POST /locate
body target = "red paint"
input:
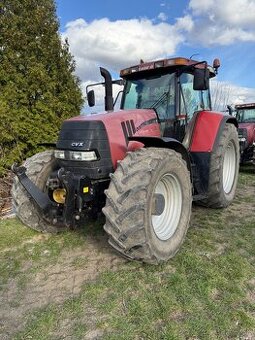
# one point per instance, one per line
(133, 145)
(205, 131)
(112, 122)
(250, 127)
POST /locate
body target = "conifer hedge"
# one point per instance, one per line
(38, 88)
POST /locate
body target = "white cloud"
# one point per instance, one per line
(162, 16)
(184, 23)
(121, 43)
(230, 12)
(218, 22)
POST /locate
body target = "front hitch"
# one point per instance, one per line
(78, 191)
(48, 208)
(40, 198)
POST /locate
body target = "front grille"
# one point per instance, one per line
(84, 136)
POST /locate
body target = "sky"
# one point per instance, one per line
(116, 34)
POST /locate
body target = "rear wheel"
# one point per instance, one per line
(39, 167)
(224, 170)
(148, 205)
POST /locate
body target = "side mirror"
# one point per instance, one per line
(216, 65)
(201, 79)
(91, 98)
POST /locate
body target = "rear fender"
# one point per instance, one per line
(207, 130)
(163, 142)
(205, 137)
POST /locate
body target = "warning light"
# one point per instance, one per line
(85, 190)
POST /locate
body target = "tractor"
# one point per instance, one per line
(142, 165)
(245, 115)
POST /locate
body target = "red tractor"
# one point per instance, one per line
(245, 115)
(142, 165)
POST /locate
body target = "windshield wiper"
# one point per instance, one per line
(160, 100)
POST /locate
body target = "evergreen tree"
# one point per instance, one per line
(38, 88)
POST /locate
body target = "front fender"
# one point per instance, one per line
(163, 142)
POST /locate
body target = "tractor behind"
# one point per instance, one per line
(245, 114)
(142, 165)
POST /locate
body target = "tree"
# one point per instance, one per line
(221, 93)
(38, 88)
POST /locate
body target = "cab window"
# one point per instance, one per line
(191, 100)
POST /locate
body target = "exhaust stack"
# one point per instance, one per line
(108, 99)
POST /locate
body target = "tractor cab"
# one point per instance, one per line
(174, 88)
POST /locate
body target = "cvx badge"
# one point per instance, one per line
(77, 144)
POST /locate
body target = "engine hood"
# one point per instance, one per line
(122, 124)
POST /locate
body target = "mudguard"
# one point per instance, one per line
(207, 128)
(163, 142)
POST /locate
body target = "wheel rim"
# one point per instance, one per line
(165, 224)
(229, 167)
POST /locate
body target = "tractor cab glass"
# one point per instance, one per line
(246, 115)
(172, 96)
(190, 99)
(153, 92)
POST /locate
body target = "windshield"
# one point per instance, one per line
(246, 115)
(152, 92)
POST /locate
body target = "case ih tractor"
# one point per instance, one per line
(245, 114)
(142, 165)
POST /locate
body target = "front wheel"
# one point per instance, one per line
(39, 167)
(148, 205)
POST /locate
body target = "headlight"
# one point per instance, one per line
(59, 154)
(83, 155)
(76, 155)
(242, 139)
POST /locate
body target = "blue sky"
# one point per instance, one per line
(116, 34)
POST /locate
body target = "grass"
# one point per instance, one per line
(206, 292)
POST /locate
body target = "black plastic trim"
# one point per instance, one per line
(86, 136)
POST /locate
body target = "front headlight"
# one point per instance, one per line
(59, 154)
(76, 155)
(83, 155)
(242, 139)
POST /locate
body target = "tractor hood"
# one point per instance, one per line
(109, 128)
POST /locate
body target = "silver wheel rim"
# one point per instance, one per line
(229, 167)
(165, 224)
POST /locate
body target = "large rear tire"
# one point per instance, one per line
(224, 169)
(148, 205)
(39, 167)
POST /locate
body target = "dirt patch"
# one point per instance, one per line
(55, 283)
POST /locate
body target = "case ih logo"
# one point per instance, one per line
(77, 144)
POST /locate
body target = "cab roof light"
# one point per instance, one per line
(159, 63)
(243, 106)
(179, 61)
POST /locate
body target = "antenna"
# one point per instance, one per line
(193, 55)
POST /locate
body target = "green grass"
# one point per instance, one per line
(205, 292)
